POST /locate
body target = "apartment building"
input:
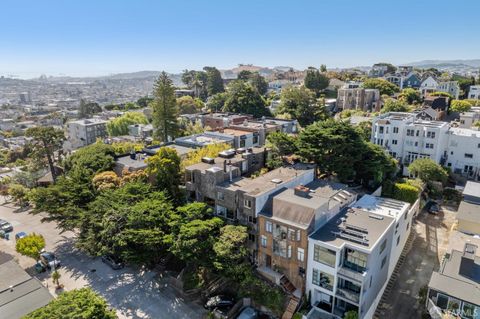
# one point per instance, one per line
(351, 258)
(201, 179)
(284, 226)
(217, 120)
(358, 99)
(242, 199)
(450, 87)
(84, 132)
(407, 138)
(468, 119)
(474, 92)
(204, 139)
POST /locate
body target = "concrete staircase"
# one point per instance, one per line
(291, 308)
(380, 311)
(287, 285)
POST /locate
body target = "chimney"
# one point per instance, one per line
(302, 191)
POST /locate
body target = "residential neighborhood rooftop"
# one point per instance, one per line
(382, 206)
(372, 225)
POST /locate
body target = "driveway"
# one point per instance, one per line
(134, 293)
(430, 244)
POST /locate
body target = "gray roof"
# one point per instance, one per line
(269, 181)
(372, 225)
(472, 189)
(127, 161)
(299, 211)
(27, 293)
(458, 277)
(469, 212)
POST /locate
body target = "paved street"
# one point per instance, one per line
(431, 242)
(135, 294)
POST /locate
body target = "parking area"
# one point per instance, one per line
(429, 246)
(134, 293)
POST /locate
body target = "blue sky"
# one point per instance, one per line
(98, 37)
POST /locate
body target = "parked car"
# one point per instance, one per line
(113, 262)
(5, 226)
(432, 207)
(219, 301)
(49, 260)
(248, 313)
(20, 235)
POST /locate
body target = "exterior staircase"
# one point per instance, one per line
(287, 285)
(379, 312)
(291, 308)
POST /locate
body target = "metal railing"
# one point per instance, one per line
(348, 294)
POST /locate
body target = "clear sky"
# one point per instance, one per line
(98, 37)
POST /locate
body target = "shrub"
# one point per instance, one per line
(405, 192)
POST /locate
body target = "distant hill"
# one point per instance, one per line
(475, 63)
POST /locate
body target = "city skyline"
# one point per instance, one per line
(95, 39)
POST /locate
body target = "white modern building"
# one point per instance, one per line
(450, 87)
(351, 258)
(84, 132)
(474, 92)
(407, 138)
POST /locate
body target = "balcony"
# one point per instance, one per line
(351, 274)
(349, 294)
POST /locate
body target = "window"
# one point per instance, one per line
(292, 234)
(418, 132)
(467, 155)
(398, 240)
(264, 241)
(322, 279)
(383, 246)
(381, 129)
(289, 251)
(394, 142)
(251, 237)
(298, 235)
(324, 255)
(408, 226)
(431, 134)
(384, 261)
(395, 130)
(247, 203)
(300, 254)
(428, 145)
(478, 146)
(268, 227)
(410, 132)
(220, 195)
(255, 139)
(355, 260)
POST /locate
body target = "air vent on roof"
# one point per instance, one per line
(227, 154)
(208, 160)
(276, 181)
(376, 217)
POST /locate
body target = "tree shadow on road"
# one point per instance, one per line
(136, 293)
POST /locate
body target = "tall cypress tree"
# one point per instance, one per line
(164, 109)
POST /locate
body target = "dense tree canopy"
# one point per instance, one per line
(164, 167)
(45, 141)
(119, 125)
(164, 108)
(214, 81)
(302, 104)
(87, 109)
(76, 304)
(410, 96)
(244, 98)
(216, 102)
(460, 106)
(30, 245)
(316, 81)
(428, 170)
(382, 85)
(188, 105)
(392, 105)
(338, 148)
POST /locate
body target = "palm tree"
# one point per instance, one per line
(56, 277)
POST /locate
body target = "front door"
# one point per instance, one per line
(268, 261)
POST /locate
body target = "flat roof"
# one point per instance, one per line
(127, 161)
(235, 131)
(204, 139)
(458, 277)
(469, 212)
(472, 189)
(464, 132)
(371, 224)
(267, 182)
(25, 295)
(91, 121)
(382, 206)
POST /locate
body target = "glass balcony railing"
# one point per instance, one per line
(349, 294)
